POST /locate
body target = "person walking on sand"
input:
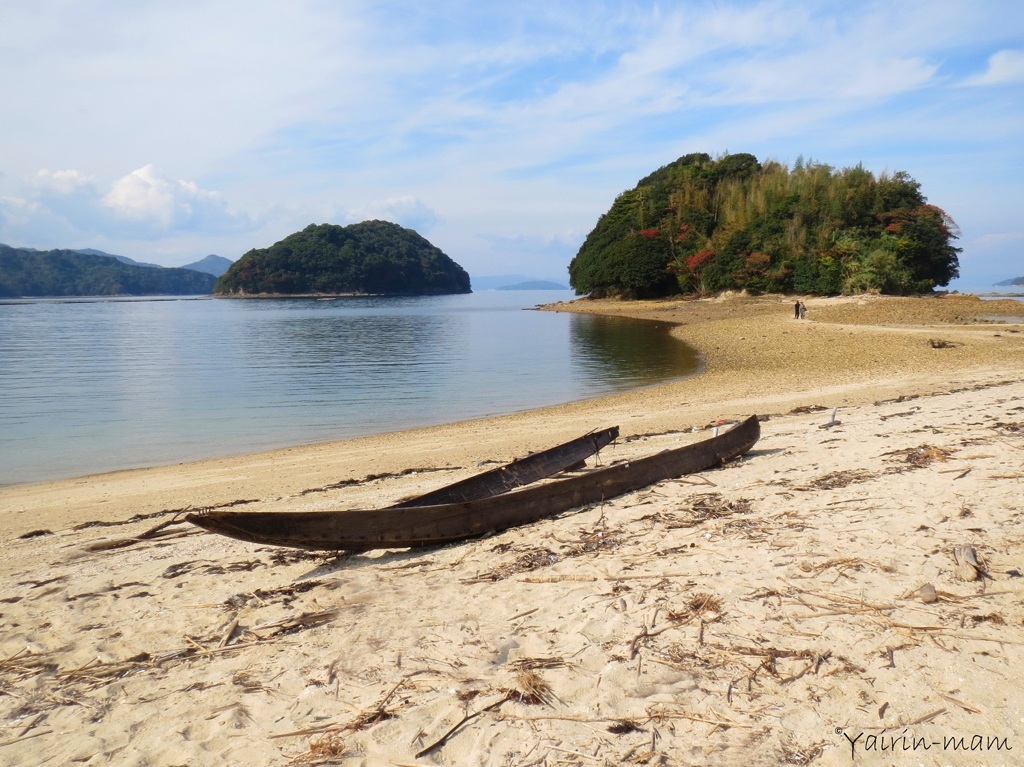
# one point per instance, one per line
(803, 310)
(796, 310)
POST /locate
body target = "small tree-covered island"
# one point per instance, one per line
(701, 225)
(370, 258)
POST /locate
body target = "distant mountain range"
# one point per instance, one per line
(27, 272)
(515, 282)
(211, 264)
(122, 259)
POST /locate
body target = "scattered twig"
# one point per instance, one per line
(961, 704)
(634, 646)
(31, 725)
(576, 753)
(694, 718)
(468, 717)
(926, 717)
(25, 737)
(523, 614)
(228, 633)
(549, 579)
(645, 576)
(286, 625)
(912, 411)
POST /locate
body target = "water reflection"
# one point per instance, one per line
(628, 352)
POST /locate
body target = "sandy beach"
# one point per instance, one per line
(849, 592)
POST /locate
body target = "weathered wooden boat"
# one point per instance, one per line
(401, 526)
(520, 472)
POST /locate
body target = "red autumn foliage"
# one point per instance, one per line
(699, 259)
(895, 221)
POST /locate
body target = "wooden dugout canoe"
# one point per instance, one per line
(399, 527)
(518, 473)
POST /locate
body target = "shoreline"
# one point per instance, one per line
(755, 356)
(843, 581)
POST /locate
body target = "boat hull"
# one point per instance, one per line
(415, 526)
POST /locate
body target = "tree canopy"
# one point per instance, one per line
(373, 257)
(34, 273)
(703, 225)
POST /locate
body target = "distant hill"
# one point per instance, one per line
(535, 285)
(1013, 281)
(496, 281)
(122, 259)
(370, 258)
(512, 282)
(215, 265)
(37, 273)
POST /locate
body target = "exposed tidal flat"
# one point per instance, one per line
(89, 386)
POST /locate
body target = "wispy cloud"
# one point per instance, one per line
(997, 240)
(489, 126)
(1004, 68)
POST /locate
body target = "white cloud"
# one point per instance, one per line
(58, 202)
(69, 205)
(146, 198)
(1004, 68)
(62, 181)
(408, 211)
(143, 195)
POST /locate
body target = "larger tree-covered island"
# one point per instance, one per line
(703, 225)
(370, 258)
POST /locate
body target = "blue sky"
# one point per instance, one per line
(500, 131)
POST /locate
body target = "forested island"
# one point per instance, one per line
(701, 225)
(27, 273)
(369, 258)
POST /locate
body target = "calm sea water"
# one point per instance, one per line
(89, 386)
